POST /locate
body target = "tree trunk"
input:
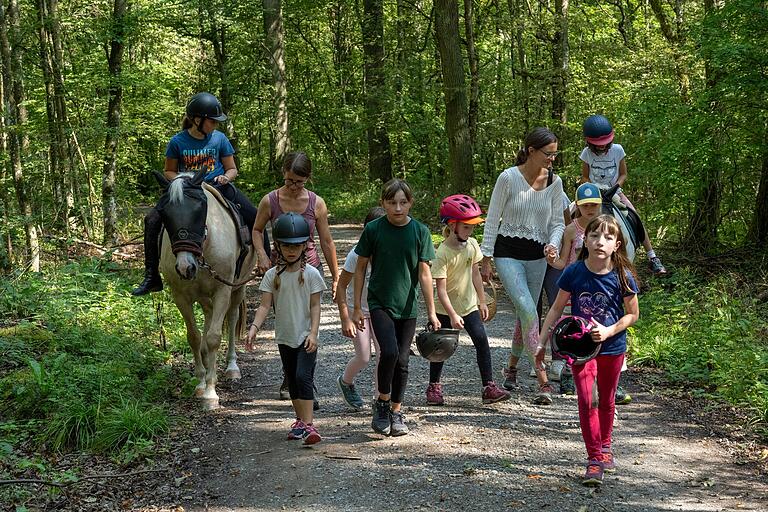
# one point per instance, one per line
(759, 227)
(560, 65)
(676, 40)
(474, 75)
(376, 94)
(455, 95)
(6, 260)
(702, 229)
(13, 89)
(112, 139)
(274, 35)
(522, 60)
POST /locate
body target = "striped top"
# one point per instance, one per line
(517, 210)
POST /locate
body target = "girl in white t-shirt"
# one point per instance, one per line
(295, 288)
(604, 164)
(362, 338)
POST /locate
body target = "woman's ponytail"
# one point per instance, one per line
(522, 156)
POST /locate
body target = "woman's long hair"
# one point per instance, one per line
(537, 139)
(621, 264)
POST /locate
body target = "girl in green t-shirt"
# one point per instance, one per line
(399, 250)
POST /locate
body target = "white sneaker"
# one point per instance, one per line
(556, 369)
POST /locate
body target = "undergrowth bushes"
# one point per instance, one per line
(81, 367)
(711, 335)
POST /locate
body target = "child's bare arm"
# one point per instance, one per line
(445, 301)
(258, 319)
(314, 330)
(357, 314)
(347, 326)
(631, 314)
(477, 282)
(425, 280)
(622, 172)
(584, 172)
(565, 248)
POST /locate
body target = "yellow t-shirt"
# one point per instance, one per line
(455, 266)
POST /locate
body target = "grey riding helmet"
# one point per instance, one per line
(290, 228)
(437, 345)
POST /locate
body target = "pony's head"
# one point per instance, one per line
(183, 209)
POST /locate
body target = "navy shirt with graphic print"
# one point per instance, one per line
(598, 296)
(194, 154)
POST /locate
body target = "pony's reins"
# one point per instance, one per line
(204, 264)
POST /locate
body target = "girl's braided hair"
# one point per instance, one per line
(621, 264)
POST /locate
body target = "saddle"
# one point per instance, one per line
(612, 203)
(243, 231)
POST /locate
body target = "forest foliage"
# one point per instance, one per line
(438, 92)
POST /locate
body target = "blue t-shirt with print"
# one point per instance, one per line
(194, 154)
(598, 296)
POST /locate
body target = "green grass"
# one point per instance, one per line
(82, 367)
(709, 334)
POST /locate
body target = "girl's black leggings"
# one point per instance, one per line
(395, 337)
(473, 324)
(299, 368)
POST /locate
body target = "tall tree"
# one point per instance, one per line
(13, 88)
(474, 73)
(674, 33)
(376, 94)
(114, 110)
(274, 36)
(560, 64)
(704, 222)
(455, 95)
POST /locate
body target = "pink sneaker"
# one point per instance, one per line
(493, 393)
(311, 435)
(608, 460)
(297, 430)
(435, 394)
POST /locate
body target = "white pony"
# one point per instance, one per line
(199, 229)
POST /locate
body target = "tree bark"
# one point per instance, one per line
(518, 19)
(676, 40)
(703, 226)
(560, 64)
(474, 75)
(455, 95)
(112, 139)
(274, 35)
(376, 94)
(759, 227)
(15, 114)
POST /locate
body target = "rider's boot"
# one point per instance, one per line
(153, 225)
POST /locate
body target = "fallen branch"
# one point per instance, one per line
(101, 249)
(80, 479)
(343, 457)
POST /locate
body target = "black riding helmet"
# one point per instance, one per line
(598, 130)
(290, 228)
(437, 345)
(206, 106)
(571, 339)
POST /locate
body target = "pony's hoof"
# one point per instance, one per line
(210, 404)
(232, 375)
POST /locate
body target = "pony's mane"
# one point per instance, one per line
(176, 188)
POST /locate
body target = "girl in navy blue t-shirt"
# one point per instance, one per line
(602, 288)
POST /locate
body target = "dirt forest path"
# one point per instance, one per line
(462, 456)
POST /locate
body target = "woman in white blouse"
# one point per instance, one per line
(524, 223)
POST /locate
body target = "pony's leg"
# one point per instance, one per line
(233, 318)
(212, 340)
(186, 308)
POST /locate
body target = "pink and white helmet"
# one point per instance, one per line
(460, 208)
